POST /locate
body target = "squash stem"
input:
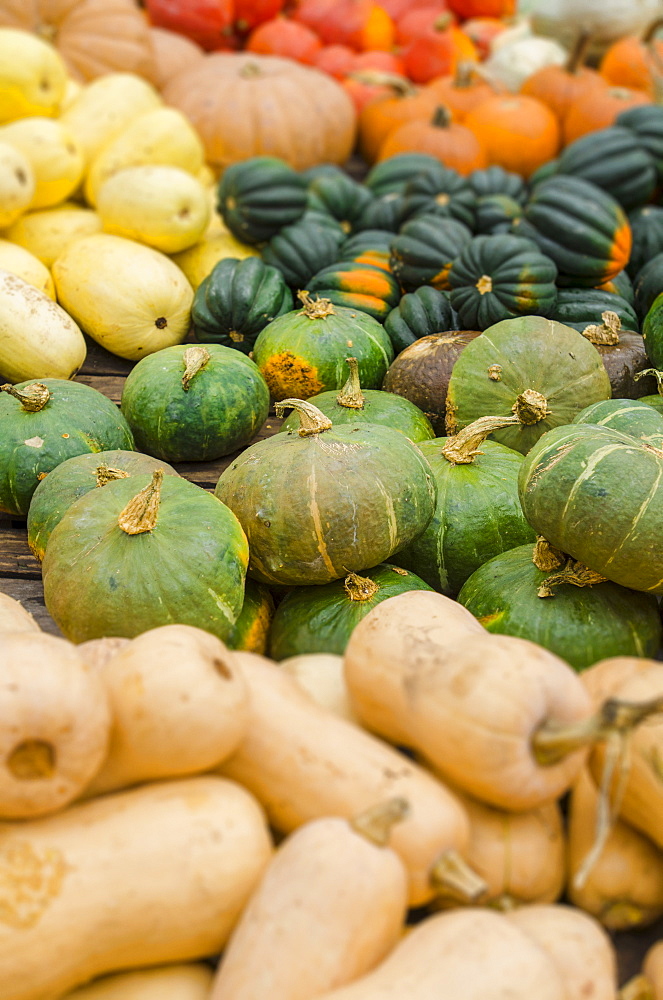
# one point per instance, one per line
(351, 395)
(607, 334)
(651, 31)
(452, 876)
(574, 573)
(360, 588)
(33, 398)
(576, 60)
(658, 375)
(195, 359)
(311, 420)
(140, 514)
(315, 308)
(546, 557)
(376, 823)
(401, 86)
(530, 407)
(463, 447)
(638, 988)
(441, 117)
(106, 474)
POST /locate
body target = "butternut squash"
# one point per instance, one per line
(303, 762)
(321, 676)
(14, 617)
(577, 944)
(602, 679)
(623, 886)
(330, 906)
(179, 706)
(54, 724)
(96, 652)
(475, 705)
(652, 968)
(157, 874)
(471, 954)
(172, 982)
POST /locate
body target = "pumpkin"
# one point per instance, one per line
(497, 180)
(461, 91)
(516, 54)
(246, 105)
(580, 307)
(324, 535)
(47, 232)
(173, 53)
(442, 191)
(623, 355)
(499, 277)
(378, 117)
(237, 300)
(75, 477)
(422, 370)
(94, 844)
(128, 297)
(181, 982)
(374, 406)
(251, 630)
(257, 199)
(391, 176)
(646, 122)
(359, 287)
(360, 24)
(208, 24)
(45, 423)
(634, 60)
(17, 184)
(303, 352)
(655, 400)
(557, 499)
(542, 371)
(130, 547)
(579, 226)
(539, 594)
(53, 154)
(339, 196)
(14, 617)
(647, 230)
(598, 109)
(334, 883)
(335, 770)
(518, 133)
(652, 332)
(611, 159)
(424, 250)
(452, 144)
(48, 753)
(418, 314)
(33, 79)
(195, 403)
(478, 513)
(321, 619)
(558, 86)
(281, 36)
(436, 49)
(302, 249)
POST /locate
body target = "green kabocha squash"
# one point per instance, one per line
(478, 513)
(652, 332)
(498, 277)
(497, 213)
(324, 501)
(144, 552)
(339, 196)
(73, 479)
(370, 246)
(498, 181)
(43, 424)
(623, 355)
(611, 159)
(621, 285)
(630, 416)
(579, 226)
(396, 172)
(440, 190)
(421, 372)
(419, 314)
(322, 619)
(250, 633)
(647, 285)
(354, 405)
(597, 495)
(645, 121)
(647, 230)
(537, 593)
(578, 307)
(194, 403)
(361, 287)
(301, 250)
(237, 300)
(303, 352)
(535, 368)
(424, 250)
(259, 196)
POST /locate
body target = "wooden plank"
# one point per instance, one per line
(109, 385)
(99, 361)
(16, 560)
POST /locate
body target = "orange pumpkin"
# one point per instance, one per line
(282, 36)
(437, 51)
(245, 105)
(405, 103)
(361, 24)
(482, 8)
(598, 109)
(482, 32)
(92, 36)
(454, 145)
(559, 86)
(461, 92)
(337, 60)
(172, 54)
(635, 62)
(519, 133)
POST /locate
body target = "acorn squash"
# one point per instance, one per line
(419, 313)
(425, 248)
(360, 287)
(613, 160)
(259, 196)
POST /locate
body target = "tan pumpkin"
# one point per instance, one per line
(55, 724)
(14, 617)
(330, 906)
(92, 36)
(652, 968)
(157, 874)
(477, 706)
(303, 762)
(179, 706)
(173, 54)
(245, 105)
(623, 887)
(174, 982)
(321, 676)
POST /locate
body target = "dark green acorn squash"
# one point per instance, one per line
(498, 277)
(579, 226)
(354, 405)
(542, 371)
(652, 332)
(424, 250)
(396, 172)
(611, 159)
(648, 285)
(360, 287)
(440, 190)
(496, 213)
(250, 632)
(73, 479)
(236, 300)
(339, 196)
(418, 314)
(195, 403)
(303, 352)
(578, 307)
(646, 123)
(647, 228)
(144, 552)
(324, 501)
(371, 246)
(554, 602)
(496, 180)
(259, 196)
(43, 424)
(322, 619)
(301, 250)
(622, 285)
(477, 514)
(421, 372)
(598, 496)
(321, 170)
(387, 212)
(544, 173)
(623, 354)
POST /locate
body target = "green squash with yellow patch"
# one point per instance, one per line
(250, 633)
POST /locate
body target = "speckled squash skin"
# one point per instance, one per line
(76, 419)
(630, 416)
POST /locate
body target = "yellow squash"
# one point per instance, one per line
(18, 260)
(47, 232)
(17, 184)
(55, 156)
(33, 76)
(197, 261)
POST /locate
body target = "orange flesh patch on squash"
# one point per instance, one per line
(371, 283)
(621, 249)
(489, 620)
(369, 257)
(441, 279)
(255, 638)
(290, 376)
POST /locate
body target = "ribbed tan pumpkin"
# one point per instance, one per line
(92, 36)
(247, 105)
(172, 54)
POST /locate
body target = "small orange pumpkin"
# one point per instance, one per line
(282, 36)
(598, 109)
(405, 103)
(462, 91)
(454, 145)
(519, 133)
(635, 62)
(559, 86)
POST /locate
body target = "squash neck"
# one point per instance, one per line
(141, 513)
(351, 395)
(33, 398)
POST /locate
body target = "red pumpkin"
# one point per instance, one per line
(398, 8)
(207, 22)
(361, 24)
(249, 14)
(437, 52)
(482, 32)
(284, 37)
(419, 21)
(385, 62)
(482, 8)
(337, 60)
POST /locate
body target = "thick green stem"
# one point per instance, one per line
(376, 823)
(140, 514)
(311, 419)
(351, 395)
(33, 398)
(463, 447)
